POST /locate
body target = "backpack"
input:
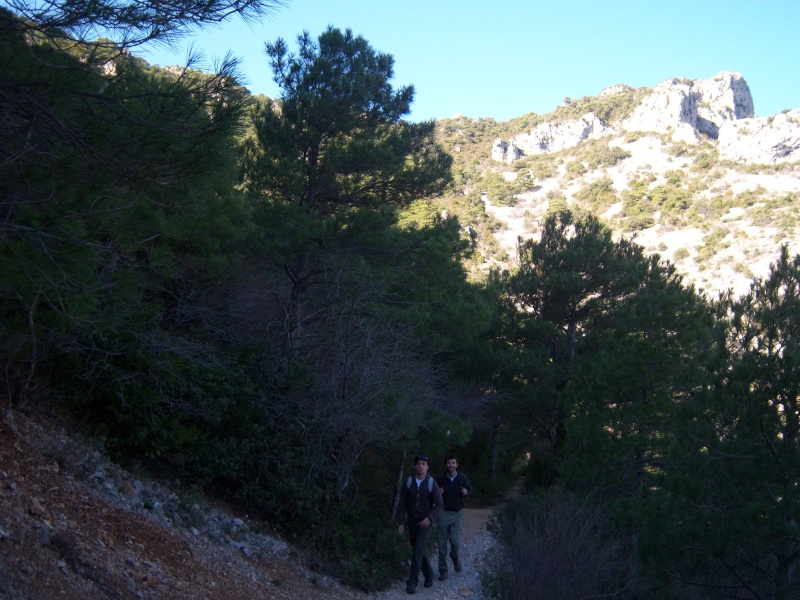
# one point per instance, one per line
(430, 483)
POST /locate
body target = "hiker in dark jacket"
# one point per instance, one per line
(420, 506)
(455, 487)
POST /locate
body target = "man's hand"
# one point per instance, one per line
(401, 529)
(426, 522)
(464, 491)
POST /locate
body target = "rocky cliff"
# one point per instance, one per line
(762, 140)
(549, 137)
(684, 110)
(683, 168)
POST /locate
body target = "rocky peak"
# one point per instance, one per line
(671, 108)
(725, 97)
(686, 108)
(683, 109)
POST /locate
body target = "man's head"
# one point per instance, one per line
(421, 466)
(451, 464)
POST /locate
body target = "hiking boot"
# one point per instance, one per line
(442, 575)
(411, 590)
(457, 565)
(429, 582)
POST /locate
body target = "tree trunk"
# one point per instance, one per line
(495, 445)
(295, 312)
(17, 388)
(399, 482)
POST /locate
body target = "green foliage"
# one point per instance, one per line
(542, 166)
(465, 138)
(133, 22)
(526, 121)
(575, 168)
(332, 152)
(712, 243)
(596, 154)
(556, 203)
(725, 520)
(637, 206)
(368, 567)
(705, 161)
(680, 254)
(99, 191)
(678, 149)
(649, 359)
(671, 199)
(608, 108)
(599, 195)
(638, 222)
(564, 283)
(419, 214)
(281, 339)
(498, 190)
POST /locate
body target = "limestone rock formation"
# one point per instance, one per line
(683, 109)
(671, 108)
(761, 140)
(549, 137)
(507, 152)
(719, 205)
(723, 98)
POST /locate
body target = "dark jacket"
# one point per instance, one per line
(416, 503)
(453, 500)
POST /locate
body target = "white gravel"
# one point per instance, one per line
(476, 543)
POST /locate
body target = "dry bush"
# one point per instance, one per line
(559, 547)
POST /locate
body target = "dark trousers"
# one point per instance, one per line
(419, 558)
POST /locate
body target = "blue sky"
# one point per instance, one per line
(506, 58)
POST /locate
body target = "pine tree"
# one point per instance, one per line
(726, 519)
(100, 158)
(333, 144)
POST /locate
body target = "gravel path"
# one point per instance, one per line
(476, 543)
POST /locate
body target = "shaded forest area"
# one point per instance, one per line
(263, 299)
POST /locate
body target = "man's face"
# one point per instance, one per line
(451, 465)
(421, 468)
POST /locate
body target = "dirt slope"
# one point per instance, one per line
(66, 532)
(73, 526)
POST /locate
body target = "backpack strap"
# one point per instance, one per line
(430, 484)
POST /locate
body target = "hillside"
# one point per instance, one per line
(682, 168)
(75, 526)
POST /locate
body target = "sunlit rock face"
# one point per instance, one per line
(548, 137)
(683, 109)
(723, 98)
(761, 140)
(686, 108)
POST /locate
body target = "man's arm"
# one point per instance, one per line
(437, 504)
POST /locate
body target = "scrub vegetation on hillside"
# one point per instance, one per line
(278, 302)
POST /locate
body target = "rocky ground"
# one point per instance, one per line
(746, 251)
(74, 526)
(476, 547)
